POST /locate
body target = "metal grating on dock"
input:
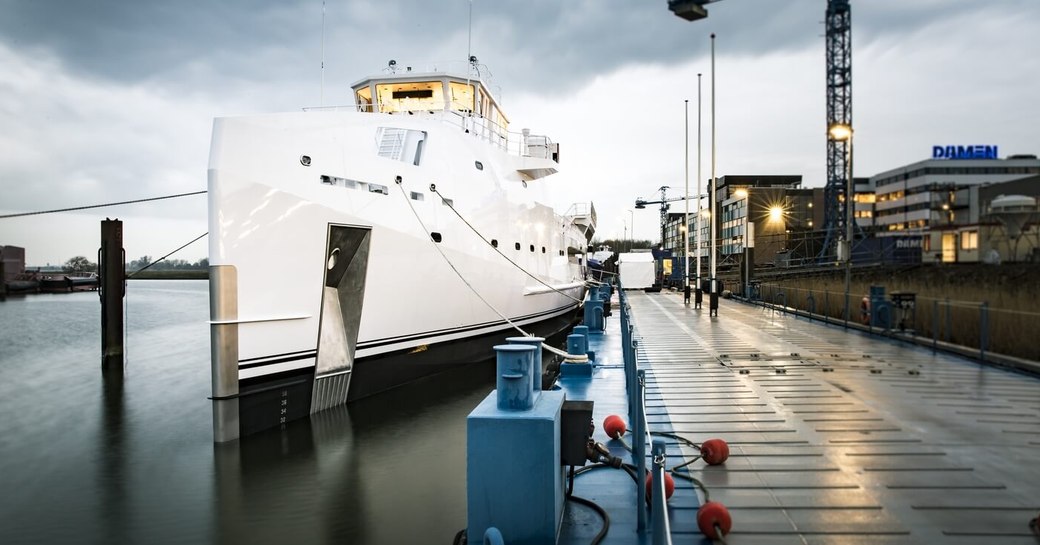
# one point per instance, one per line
(837, 436)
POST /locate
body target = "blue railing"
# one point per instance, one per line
(635, 384)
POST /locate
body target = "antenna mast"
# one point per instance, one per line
(321, 100)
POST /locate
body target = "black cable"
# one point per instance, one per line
(167, 255)
(602, 513)
(21, 214)
(677, 438)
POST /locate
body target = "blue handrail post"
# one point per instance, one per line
(639, 452)
(983, 329)
(662, 533)
(935, 324)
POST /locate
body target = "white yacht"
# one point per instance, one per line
(353, 249)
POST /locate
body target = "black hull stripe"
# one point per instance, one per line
(302, 356)
(274, 359)
(440, 332)
(297, 353)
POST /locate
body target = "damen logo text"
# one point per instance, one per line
(964, 152)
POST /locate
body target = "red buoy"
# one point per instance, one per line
(713, 514)
(615, 426)
(714, 451)
(669, 486)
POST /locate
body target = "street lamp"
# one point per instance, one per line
(632, 231)
(843, 133)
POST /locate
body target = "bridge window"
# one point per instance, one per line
(364, 99)
(461, 97)
(410, 96)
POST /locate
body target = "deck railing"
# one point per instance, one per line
(635, 384)
(968, 327)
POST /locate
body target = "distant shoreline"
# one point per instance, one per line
(193, 274)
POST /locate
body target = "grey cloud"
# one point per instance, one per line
(527, 42)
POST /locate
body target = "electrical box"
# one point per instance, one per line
(575, 430)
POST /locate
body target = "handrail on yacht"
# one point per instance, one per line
(481, 127)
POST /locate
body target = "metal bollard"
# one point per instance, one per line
(513, 381)
(536, 363)
(577, 344)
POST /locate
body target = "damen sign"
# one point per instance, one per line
(964, 152)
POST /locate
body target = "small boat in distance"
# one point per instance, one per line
(69, 282)
(354, 249)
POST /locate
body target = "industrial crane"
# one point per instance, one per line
(839, 192)
(641, 204)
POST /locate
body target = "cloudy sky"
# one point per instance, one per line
(111, 100)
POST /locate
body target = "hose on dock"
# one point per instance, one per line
(713, 519)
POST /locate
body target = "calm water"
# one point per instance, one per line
(82, 461)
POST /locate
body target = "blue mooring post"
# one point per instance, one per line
(514, 479)
(536, 376)
(576, 344)
(584, 332)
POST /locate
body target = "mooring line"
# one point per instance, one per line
(450, 205)
(167, 255)
(22, 214)
(554, 350)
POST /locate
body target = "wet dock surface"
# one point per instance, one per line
(837, 436)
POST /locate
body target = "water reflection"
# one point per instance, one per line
(352, 475)
(111, 480)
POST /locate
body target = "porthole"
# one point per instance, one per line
(305, 160)
(479, 165)
(494, 243)
(517, 246)
(436, 237)
(543, 249)
(532, 247)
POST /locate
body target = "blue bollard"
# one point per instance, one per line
(536, 363)
(577, 344)
(513, 382)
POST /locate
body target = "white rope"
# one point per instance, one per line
(433, 188)
(569, 357)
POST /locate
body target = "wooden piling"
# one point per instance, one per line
(111, 268)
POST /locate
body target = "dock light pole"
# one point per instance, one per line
(632, 228)
(697, 222)
(686, 215)
(713, 298)
(843, 133)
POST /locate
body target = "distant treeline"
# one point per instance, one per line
(167, 268)
(167, 264)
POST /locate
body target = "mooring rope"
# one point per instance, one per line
(554, 350)
(22, 214)
(167, 255)
(450, 205)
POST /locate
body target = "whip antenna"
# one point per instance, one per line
(321, 99)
